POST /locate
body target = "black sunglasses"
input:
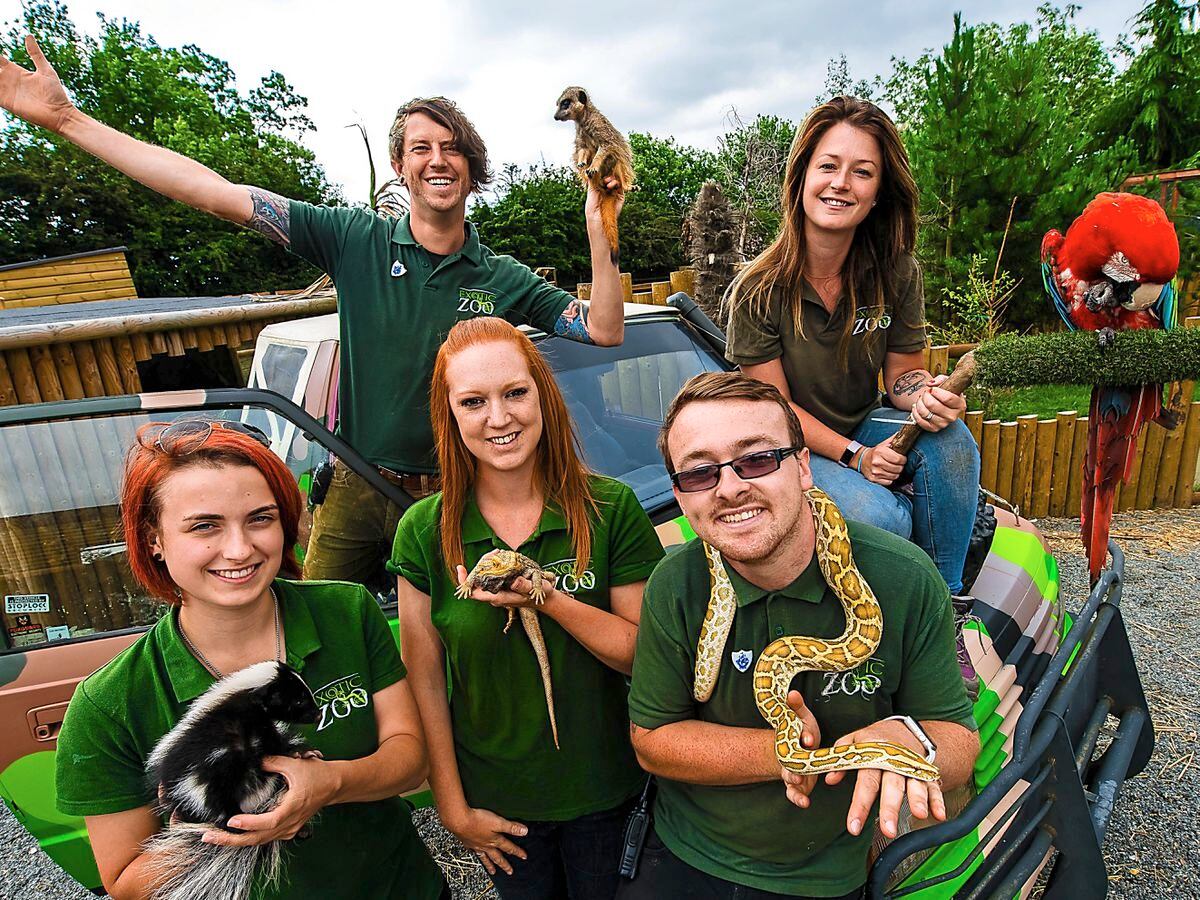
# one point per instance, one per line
(188, 435)
(752, 465)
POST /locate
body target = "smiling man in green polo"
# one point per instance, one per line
(724, 824)
(401, 286)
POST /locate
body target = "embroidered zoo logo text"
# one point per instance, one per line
(338, 698)
(568, 582)
(863, 680)
(869, 320)
(476, 302)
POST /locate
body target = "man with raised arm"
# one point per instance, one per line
(401, 285)
(723, 823)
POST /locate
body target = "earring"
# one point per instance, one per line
(158, 557)
(874, 203)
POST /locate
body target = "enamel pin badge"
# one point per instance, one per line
(398, 269)
(742, 659)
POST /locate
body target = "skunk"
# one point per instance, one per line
(208, 768)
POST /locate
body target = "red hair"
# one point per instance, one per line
(560, 472)
(147, 466)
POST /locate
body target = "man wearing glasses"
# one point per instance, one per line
(402, 284)
(723, 824)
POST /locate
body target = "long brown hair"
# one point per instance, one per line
(560, 472)
(888, 233)
(447, 114)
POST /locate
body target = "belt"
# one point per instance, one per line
(425, 483)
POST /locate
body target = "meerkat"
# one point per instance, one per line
(600, 152)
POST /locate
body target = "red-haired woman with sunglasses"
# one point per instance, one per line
(210, 518)
(543, 807)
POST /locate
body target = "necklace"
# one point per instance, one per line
(213, 670)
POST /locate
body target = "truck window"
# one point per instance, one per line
(63, 570)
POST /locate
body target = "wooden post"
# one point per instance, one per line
(1151, 456)
(158, 343)
(204, 341)
(684, 280)
(24, 380)
(974, 420)
(659, 292)
(1043, 467)
(1022, 490)
(1184, 484)
(220, 336)
(1061, 479)
(46, 373)
(1078, 445)
(1004, 465)
(1127, 494)
(174, 343)
(8, 393)
(110, 374)
(1168, 465)
(68, 371)
(131, 380)
(188, 335)
(141, 346)
(627, 287)
(989, 455)
(939, 359)
(583, 290)
(89, 369)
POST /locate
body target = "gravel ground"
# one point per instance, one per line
(1153, 845)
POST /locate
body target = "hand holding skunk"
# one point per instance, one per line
(311, 785)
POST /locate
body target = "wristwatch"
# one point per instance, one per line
(848, 454)
(919, 733)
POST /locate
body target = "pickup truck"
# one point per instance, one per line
(1040, 783)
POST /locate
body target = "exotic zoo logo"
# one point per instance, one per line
(568, 582)
(338, 698)
(476, 302)
(863, 680)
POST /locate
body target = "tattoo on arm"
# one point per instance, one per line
(572, 324)
(910, 383)
(272, 216)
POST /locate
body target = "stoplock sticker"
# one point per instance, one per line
(18, 604)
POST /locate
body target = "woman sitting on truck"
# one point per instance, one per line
(545, 820)
(210, 517)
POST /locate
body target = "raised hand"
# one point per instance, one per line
(37, 97)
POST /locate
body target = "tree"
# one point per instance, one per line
(1157, 98)
(56, 199)
(751, 159)
(1003, 113)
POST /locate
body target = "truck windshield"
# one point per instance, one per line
(618, 397)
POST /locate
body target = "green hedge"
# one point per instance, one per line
(1148, 356)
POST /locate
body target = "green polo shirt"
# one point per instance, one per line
(395, 307)
(339, 641)
(502, 738)
(839, 397)
(751, 834)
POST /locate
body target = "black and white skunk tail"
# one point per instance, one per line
(186, 868)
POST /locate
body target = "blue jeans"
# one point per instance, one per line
(937, 511)
(576, 859)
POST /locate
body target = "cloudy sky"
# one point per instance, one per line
(670, 69)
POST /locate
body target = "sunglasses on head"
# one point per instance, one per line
(188, 435)
(752, 465)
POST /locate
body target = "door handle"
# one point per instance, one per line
(45, 722)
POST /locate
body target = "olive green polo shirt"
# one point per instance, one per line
(339, 641)
(395, 307)
(502, 738)
(751, 834)
(838, 397)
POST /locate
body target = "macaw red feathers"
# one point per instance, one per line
(1113, 271)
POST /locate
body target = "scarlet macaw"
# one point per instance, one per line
(1111, 272)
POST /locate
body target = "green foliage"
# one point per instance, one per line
(56, 199)
(1003, 113)
(749, 167)
(1045, 401)
(974, 310)
(1148, 356)
(537, 215)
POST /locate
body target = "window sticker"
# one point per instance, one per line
(58, 632)
(25, 632)
(16, 604)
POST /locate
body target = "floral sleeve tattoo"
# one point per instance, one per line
(272, 216)
(572, 324)
(910, 383)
